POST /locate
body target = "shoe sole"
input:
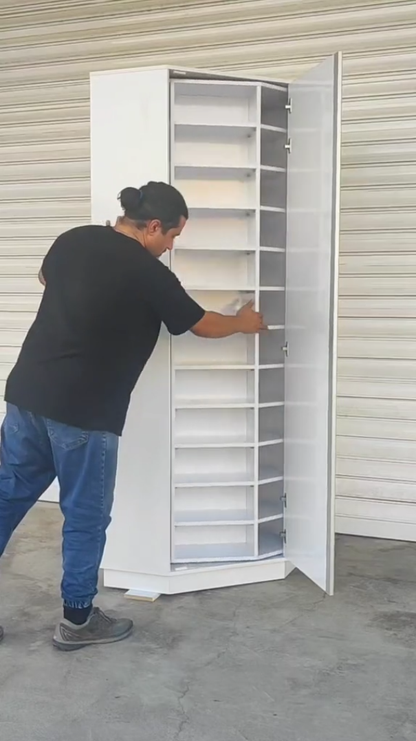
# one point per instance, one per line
(102, 641)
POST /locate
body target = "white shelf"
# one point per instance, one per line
(226, 248)
(272, 249)
(270, 441)
(230, 287)
(185, 171)
(269, 476)
(202, 87)
(277, 129)
(226, 366)
(213, 552)
(268, 404)
(272, 288)
(240, 84)
(226, 441)
(224, 404)
(218, 518)
(230, 210)
(270, 545)
(213, 404)
(215, 441)
(213, 518)
(267, 512)
(237, 350)
(214, 248)
(206, 129)
(188, 129)
(196, 480)
(204, 480)
(271, 168)
(203, 366)
(234, 209)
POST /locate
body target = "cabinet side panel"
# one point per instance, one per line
(129, 135)
(311, 267)
(129, 146)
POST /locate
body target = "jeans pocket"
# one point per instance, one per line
(65, 436)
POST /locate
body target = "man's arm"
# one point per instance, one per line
(246, 321)
(180, 313)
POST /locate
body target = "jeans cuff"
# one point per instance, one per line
(77, 604)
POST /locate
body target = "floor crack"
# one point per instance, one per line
(185, 717)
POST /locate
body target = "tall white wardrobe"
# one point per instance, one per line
(226, 471)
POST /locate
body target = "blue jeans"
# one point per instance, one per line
(34, 451)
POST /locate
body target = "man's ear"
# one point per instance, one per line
(154, 226)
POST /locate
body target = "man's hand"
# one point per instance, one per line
(213, 325)
(251, 322)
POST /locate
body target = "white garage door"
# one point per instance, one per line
(47, 50)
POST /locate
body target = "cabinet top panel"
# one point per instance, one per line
(185, 73)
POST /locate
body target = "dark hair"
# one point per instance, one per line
(154, 201)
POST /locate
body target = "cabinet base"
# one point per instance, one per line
(190, 579)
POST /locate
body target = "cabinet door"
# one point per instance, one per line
(311, 302)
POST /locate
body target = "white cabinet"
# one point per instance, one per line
(227, 461)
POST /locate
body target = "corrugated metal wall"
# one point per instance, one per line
(47, 50)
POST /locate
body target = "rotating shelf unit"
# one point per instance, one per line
(211, 490)
(229, 159)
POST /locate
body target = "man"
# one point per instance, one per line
(106, 295)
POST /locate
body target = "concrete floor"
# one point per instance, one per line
(272, 662)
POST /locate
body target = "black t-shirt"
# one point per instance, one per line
(97, 325)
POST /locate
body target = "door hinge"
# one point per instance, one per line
(283, 499)
(285, 349)
(283, 535)
(288, 105)
(288, 146)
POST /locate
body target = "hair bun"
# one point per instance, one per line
(130, 199)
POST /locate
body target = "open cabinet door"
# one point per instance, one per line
(311, 307)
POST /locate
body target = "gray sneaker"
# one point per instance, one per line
(99, 628)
